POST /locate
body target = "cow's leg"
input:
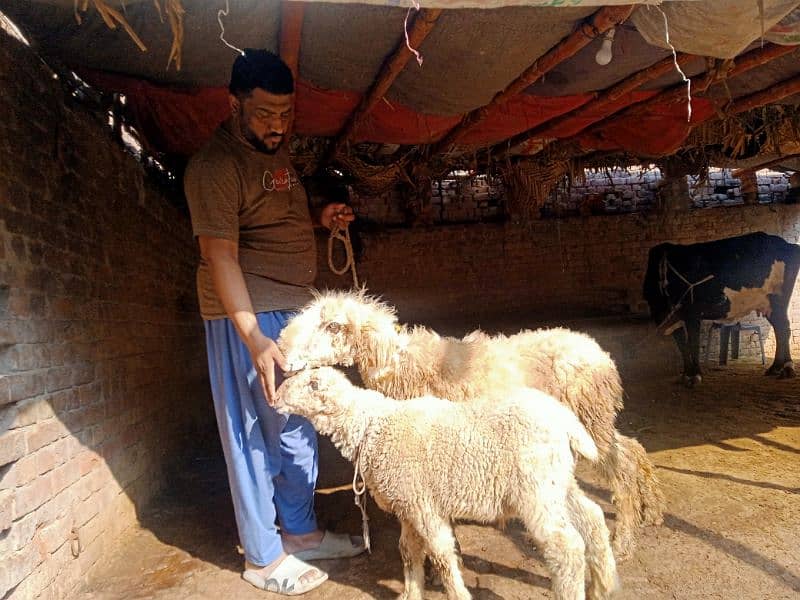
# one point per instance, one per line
(693, 341)
(688, 340)
(782, 365)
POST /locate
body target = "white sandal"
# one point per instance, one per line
(285, 579)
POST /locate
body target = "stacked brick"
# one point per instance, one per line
(102, 367)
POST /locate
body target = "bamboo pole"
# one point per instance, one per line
(603, 20)
(601, 100)
(765, 165)
(391, 69)
(700, 83)
(290, 36)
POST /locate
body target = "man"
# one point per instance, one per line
(258, 261)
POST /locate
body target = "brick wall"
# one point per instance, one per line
(635, 189)
(614, 191)
(102, 364)
(548, 270)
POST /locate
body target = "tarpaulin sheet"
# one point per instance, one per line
(649, 131)
(180, 122)
(718, 28)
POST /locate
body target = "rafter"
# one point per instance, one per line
(391, 69)
(290, 35)
(765, 165)
(779, 91)
(603, 20)
(594, 108)
(699, 83)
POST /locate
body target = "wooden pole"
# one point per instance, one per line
(770, 163)
(603, 20)
(700, 83)
(601, 100)
(290, 36)
(391, 69)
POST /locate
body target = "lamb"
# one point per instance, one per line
(429, 461)
(346, 328)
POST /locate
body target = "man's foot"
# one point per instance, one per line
(320, 545)
(287, 575)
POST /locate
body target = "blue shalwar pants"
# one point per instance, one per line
(271, 458)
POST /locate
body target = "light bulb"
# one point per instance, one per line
(605, 54)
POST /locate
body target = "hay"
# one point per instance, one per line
(112, 17)
(765, 130)
(530, 183)
(369, 178)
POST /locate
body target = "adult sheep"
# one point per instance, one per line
(346, 328)
(429, 461)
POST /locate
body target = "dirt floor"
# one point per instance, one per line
(727, 453)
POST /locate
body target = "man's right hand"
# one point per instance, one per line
(265, 355)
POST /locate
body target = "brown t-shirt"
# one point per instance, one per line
(240, 194)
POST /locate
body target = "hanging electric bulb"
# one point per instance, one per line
(605, 54)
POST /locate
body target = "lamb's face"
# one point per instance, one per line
(312, 392)
(322, 334)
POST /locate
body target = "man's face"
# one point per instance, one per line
(263, 118)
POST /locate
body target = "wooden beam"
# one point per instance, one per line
(603, 20)
(391, 69)
(700, 83)
(290, 35)
(291, 32)
(779, 91)
(765, 165)
(594, 108)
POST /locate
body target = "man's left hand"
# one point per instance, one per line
(336, 214)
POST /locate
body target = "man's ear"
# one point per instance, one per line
(234, 103)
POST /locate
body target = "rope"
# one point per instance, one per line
(350, 263)
(666, 266)
(360, 491)
(677, 66)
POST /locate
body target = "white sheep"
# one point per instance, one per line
(429, 461)
(346, 328)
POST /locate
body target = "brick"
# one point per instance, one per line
(54, 535)
(65, 475)
(32, 411)
(17, 566)
(32, 495)
(12, 446)
(44, 433)
(6, 510)
(25, 385)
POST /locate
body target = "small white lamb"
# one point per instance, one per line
(429, 461)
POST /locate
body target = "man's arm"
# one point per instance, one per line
(222, 257)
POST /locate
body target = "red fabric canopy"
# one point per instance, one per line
(180, 121)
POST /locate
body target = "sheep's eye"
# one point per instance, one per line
(334, 327)
(313, 385)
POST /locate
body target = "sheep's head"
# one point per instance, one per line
(333, 328)
(313, 393)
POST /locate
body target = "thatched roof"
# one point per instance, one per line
(509, 76)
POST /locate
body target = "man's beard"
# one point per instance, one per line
(256, 141)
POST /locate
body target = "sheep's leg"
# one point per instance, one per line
(441, 543)
(412, 551)
(588, 517)
(562, 545)
(637, 494)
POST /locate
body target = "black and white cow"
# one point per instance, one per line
(722, 281)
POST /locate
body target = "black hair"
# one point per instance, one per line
(260, 69)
